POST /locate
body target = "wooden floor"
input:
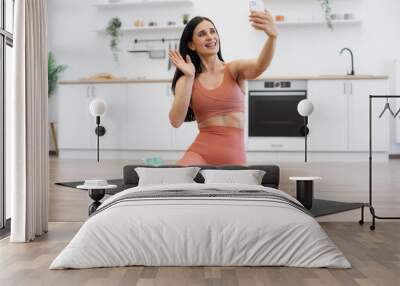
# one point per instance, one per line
(375, 256)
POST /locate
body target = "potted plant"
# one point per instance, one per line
(326, 6)
(185, 19)
(54, 71)
(114, 30)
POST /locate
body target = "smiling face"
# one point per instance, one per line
(205, 40)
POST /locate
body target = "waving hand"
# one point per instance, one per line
(186, 67)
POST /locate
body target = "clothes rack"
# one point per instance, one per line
(370, 205)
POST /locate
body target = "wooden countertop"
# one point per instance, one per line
(284, 77)
(89, 81)
(325, 77)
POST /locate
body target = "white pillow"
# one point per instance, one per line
(249, 177)
(165, 176)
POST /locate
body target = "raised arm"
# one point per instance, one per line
(252, 68)
(183, 89)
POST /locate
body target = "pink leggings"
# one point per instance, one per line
(216, 145)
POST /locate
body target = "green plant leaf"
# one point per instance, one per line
(54, 71)
(114, 30)
(326, 6)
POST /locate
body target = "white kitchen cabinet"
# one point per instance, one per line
(115, 120)
(340, 118)
(328, 122)
(155, 131)
(75, 123)
(148, 123)
(136, 118)
(359, 116)
(184, 136)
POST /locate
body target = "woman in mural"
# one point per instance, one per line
(210, 91)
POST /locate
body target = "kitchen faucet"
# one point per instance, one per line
(352, 60)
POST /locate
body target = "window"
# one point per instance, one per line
(6, 43)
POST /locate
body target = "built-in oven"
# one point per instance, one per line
(273, 108)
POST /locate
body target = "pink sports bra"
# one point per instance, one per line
(226, 98)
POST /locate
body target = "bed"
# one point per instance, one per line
(201, 224)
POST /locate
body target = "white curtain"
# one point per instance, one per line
(28, 121)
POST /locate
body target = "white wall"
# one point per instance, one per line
(301, 50)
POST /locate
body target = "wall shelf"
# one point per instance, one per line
(319, 22)
(106, 4)
(147, 28)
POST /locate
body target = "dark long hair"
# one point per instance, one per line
(187, 36)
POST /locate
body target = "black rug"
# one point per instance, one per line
(119, 182)
(324, 207)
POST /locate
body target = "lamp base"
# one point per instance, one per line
(100, 130)
(302, 133)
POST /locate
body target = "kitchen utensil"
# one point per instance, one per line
(157, 54)
(337, 16)
(138, 47)
(349, 16)
(169, 59)
(138, 23)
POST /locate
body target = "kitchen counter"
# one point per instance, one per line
(89, 81)
(324, 77)
(283, 77)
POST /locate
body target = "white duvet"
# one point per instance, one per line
(200, 231)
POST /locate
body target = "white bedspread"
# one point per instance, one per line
(200, 231)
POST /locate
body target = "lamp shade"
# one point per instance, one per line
(305, 107)
(98, 107)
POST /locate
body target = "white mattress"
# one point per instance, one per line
(200, 231)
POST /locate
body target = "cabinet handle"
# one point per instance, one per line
(351, 88)
(93, 91)
(276, 145)
(87, 91)
(344, 88)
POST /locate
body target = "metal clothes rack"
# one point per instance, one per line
(371, 208)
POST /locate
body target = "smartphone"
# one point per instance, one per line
(256, 5)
